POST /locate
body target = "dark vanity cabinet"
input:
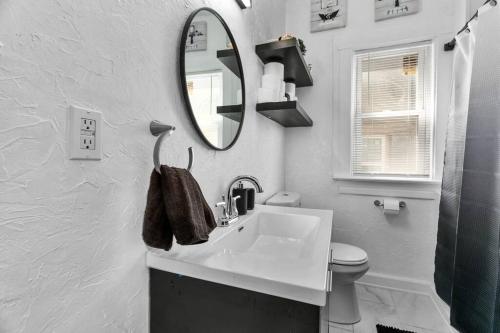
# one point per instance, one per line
(180, 304)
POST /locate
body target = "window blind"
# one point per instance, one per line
(393, 112)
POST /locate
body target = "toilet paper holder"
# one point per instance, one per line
(379, 203)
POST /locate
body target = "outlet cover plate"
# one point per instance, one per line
(84, 133)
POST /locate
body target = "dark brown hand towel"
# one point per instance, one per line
(176, 207)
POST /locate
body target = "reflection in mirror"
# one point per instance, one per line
(212, 78)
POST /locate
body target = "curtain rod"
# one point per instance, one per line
(450, 46)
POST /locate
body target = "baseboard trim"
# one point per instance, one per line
(397, 283)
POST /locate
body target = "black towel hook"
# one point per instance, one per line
(161, 131)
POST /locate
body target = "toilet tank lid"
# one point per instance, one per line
(284, 198)
(345, 254)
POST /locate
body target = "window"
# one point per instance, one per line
(205, 94)
(393, 112)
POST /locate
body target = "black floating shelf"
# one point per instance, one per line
(288, 114)
(233, 112)
(229, 59)
(288, 53)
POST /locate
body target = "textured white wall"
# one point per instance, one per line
(472, 7)
(400, 246)
(71, 254)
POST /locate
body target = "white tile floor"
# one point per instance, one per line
(403, 310)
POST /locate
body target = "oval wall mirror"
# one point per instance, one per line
(212, 79)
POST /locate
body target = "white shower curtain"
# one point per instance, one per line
(454, 160)
(467, 254)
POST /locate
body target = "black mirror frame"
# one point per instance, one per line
(182, 72)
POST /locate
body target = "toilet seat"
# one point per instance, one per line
(348, 255)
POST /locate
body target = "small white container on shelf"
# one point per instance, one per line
(282, 91)
(290, 90)
(267, 95)
(272, 89)
(274, 68)
(271, 81)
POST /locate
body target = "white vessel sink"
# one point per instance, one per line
(266, 240)
(279, 251)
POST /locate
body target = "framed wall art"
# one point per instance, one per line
(387, 9)
(328, 14)
(197, 37)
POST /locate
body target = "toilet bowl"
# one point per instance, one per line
(348, 264)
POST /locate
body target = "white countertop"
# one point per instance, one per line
(280, 251)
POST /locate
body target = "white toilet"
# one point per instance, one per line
(284, 199)
(349, 263)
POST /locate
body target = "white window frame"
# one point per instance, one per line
(213, 109)
(342, 115)
(417, 113)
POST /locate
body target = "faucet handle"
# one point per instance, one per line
(233, 200)
(223, 204)
(234, 209)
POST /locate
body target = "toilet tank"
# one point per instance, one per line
(284, 198)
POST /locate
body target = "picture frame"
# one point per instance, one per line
(328, 14)
(197, 38)
(389, 9)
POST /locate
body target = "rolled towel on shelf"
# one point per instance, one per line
(271, 81)
(275, 68)
(272, 89)
(267, 95)
(290, 91)
(282, 91)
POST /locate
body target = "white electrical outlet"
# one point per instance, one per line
(85, 134)
(88, 124)
(87, 142)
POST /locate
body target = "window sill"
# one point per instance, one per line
(422, 189)
(393, 180)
